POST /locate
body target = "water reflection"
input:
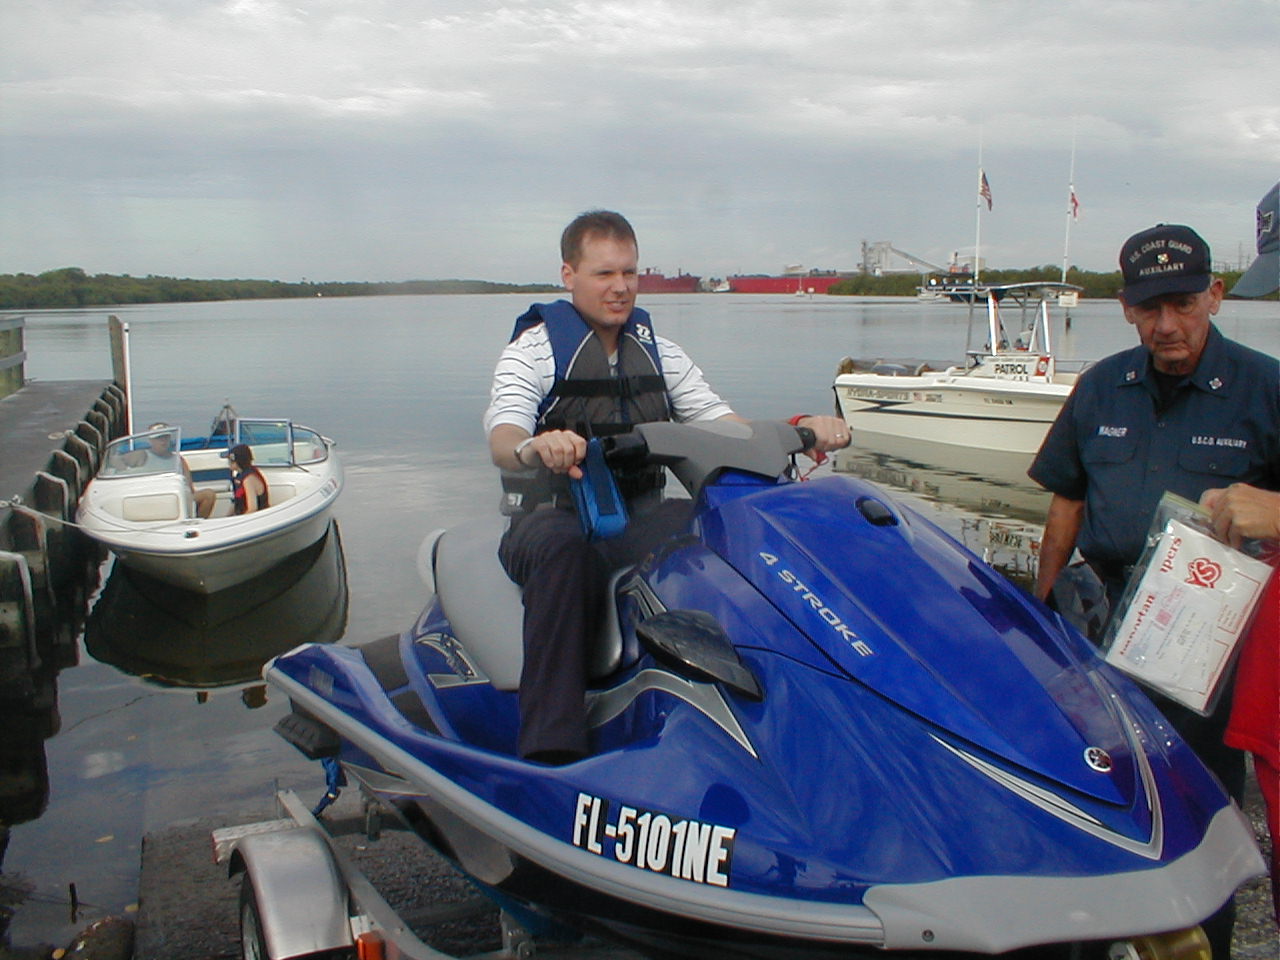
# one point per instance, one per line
(29, 708)
(173, 638)
(24, 786)
(983, 499)
(24, 774)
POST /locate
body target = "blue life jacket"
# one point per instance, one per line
(586, 397)
(589, 399)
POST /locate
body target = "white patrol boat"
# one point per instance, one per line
(1003, 398)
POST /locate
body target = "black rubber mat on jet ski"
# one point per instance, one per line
(383, 658)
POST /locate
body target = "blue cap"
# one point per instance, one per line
(1168, 258)
(1263, 276)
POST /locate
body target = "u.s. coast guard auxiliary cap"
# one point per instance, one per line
(1263, 276)
(1168, 258)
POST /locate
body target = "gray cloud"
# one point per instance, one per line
(431, 139)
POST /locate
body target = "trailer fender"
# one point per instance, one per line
(298, 889)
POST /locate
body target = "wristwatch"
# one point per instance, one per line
(519, 450)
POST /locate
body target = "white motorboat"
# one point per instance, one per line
(142, 503)
(1003, 398)
(953, 287)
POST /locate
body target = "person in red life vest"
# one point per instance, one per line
(248, 485)
(1240, 511)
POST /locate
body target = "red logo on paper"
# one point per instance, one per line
(1203, 572)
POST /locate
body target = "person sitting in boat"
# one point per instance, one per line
(160, 456)
(248, 485)
(590, 367)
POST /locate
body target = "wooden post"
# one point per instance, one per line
(119, 332)
(18, 656)
(13, 356)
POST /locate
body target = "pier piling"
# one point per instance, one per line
(52, 437)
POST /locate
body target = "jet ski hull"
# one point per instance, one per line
(976, 781)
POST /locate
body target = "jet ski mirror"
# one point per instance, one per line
(693, 643)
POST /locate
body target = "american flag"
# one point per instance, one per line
(984, 188)
(1075, 205)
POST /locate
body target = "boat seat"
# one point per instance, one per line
(486, 612)
(223, 505)
(278, 493)
(150, 507)
(211, 476)
(886, 369)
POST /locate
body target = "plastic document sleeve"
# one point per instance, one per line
(1189, 602)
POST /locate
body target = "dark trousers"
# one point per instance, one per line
(564, 579)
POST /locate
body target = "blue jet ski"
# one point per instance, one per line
(821, 727)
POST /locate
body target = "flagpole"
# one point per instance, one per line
(1071, 206)
(977, 230)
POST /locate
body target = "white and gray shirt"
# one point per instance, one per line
(526, 371)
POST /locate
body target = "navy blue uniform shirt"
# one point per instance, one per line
(1115, 449)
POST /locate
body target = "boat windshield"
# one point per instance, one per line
(153, 452)
(281, 443)
(270, 440)
(309, 446)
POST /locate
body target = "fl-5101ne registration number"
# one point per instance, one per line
(684, 849)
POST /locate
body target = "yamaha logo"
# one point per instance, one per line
(1098, 759)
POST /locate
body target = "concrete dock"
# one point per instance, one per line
(52, 435)
(54, 427)
(52, 438)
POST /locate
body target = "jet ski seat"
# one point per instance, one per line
(484, 607)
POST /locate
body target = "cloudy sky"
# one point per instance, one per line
(371, 140)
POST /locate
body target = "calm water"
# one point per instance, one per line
(400, 383)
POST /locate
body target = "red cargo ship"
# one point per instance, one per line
(651, 281)
(795, 284)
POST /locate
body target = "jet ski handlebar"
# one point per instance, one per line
(698, 452)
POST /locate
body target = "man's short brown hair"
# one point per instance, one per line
(601, 223)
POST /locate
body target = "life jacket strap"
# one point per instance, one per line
(621, 387)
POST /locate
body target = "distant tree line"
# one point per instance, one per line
(1101, 285)
(72, 287)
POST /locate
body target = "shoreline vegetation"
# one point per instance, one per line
(71, 287)
(1096, 286)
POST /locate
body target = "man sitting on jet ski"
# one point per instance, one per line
(574, 371)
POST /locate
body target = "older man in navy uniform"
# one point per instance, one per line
(1186, 411)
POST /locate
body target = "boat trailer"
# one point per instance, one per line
(303, 896)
